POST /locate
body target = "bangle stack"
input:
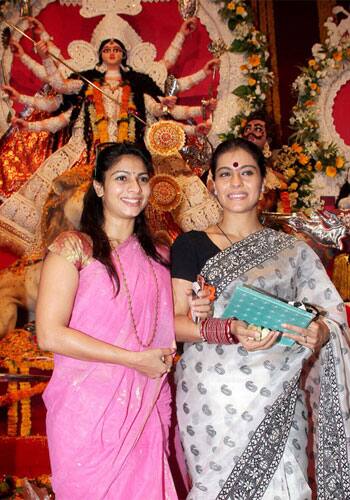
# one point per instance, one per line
(216, 331)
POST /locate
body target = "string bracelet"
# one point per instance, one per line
(216, 331)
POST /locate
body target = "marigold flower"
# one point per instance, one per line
(251, 82)
(339, 162)
(231, 6)
(318, 166)
(290, 172)
(293, 186)
(254, 60)
(309, 167)
(337, 56)
(312, 62)
(295, 147)
(313, 86)
(303, 159)
(331, 171)
(241, 10)
(309, 103)
(244, 67)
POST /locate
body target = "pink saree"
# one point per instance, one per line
(107, 425)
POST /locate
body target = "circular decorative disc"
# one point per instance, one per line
(165, 138)
(166, 193)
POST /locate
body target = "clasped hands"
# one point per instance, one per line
(312, 337)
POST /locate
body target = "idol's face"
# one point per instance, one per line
(112, 53)
(238, 181)
(255, 131)
(126, 188)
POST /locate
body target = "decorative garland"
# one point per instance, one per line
(99, 118)
(248, 40)
(19, 353)
(321, 157)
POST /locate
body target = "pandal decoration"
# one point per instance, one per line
(165, 138)
(18, 354)
(166, 193)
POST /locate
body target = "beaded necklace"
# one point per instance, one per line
(128, 296)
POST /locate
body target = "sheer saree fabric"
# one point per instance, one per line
(107, 425)
(243, 416)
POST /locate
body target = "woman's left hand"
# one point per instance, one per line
(201, 306)
(313, 337)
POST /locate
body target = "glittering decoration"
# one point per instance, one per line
(188, 8)
(165, 138)
(166, 192)
(217, 47)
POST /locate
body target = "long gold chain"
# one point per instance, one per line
(128, 296)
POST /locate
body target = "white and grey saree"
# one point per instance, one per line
(245, 422)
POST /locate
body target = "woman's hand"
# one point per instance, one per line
(211, 66)
(154, 362)
(189, 26)
(16, 48)
(313, 337)
(11, 92)
(168, 102)
(201, 306)
(251, 339)
(204, 127)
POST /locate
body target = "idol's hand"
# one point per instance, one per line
(11, 92)
(154, 362)
(313, 337)
(211, 66)
(19, 123)
(168, 101)
(204, 127)
(251, 339)
(42, 49)
(36, 26)
(200, 306)
(210, 105)
(16, 48)
(189, 26)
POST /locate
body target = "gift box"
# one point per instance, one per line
(262, 309)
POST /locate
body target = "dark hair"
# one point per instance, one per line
(272, 133)
(235, 144)
(92, 218)
(122, 46)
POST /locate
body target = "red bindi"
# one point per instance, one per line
(235, 164)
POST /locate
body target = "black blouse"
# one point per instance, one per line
(189, 253)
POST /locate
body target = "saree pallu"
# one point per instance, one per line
(244, 416)
(108, 425)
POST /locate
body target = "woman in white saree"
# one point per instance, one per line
(244, 408)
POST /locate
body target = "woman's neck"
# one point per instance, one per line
(119, 231)
(240, 225)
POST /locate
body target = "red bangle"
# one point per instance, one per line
(216, 331)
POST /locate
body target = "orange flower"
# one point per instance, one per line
(241, 10)
(313, 86)
(331, 171)
(339, 162)
(312, 62)
(231, 6)
(303, 159)
(296, 147)
(254, 60)
(244, 67)
(318, 166)
(251, 82)
(309, 103)
(337, 56)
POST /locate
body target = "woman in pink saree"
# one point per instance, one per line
(105, 310)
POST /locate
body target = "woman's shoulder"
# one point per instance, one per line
(76, 247)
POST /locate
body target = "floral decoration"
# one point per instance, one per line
(253, 44)
(19, 353)
(328, 57)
